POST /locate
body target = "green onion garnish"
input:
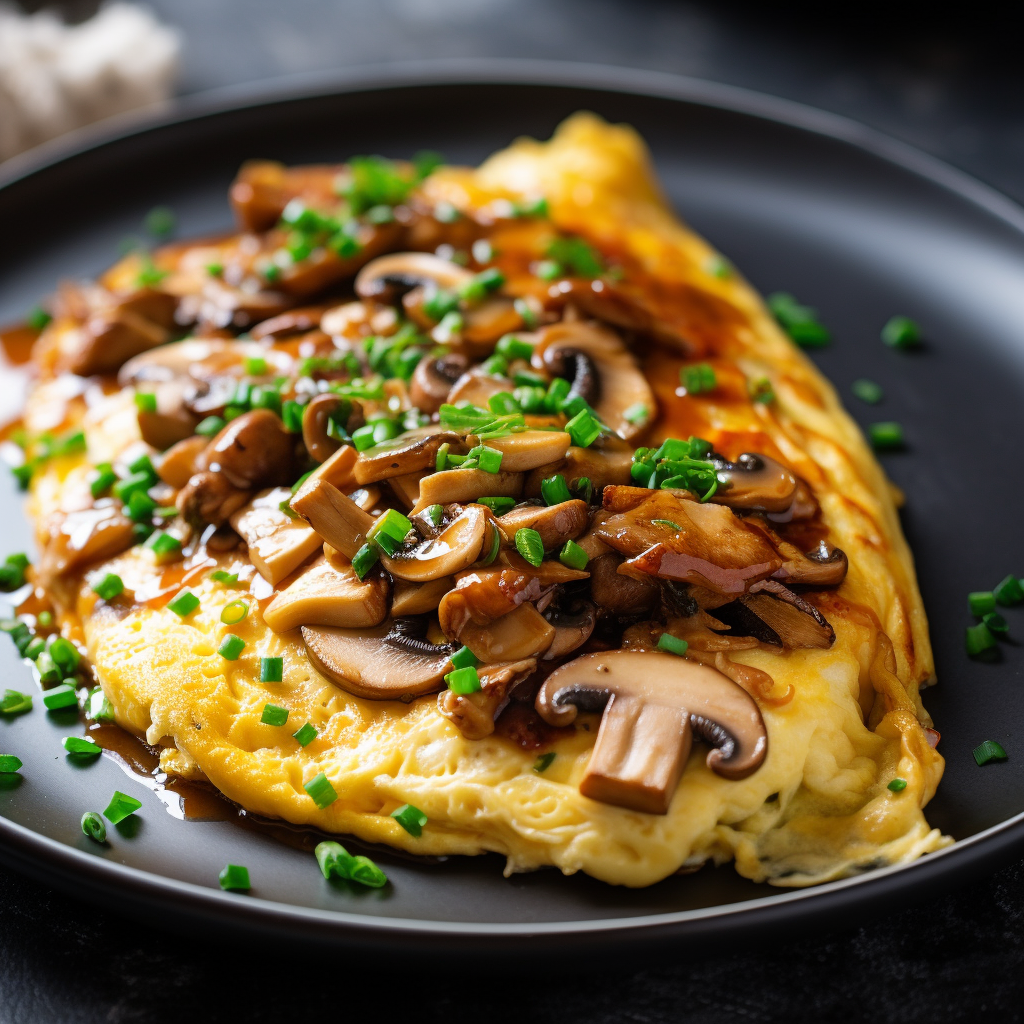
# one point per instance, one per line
(14, 703)
(274, 714)
(108, 587)
(672, 644)
(554, 490)
(996, 624)
(184, 604)
(98, 708)
(305, 735)
(513, 347)
(390, 530)
(62, 696)
(336, 862)
(412, 819)
(799, 322)
(163, 546)
(988, 752)
(65, 654)
(718, 266)
(104, 479)
(227, 579)
(235, 878)
(82, 746)
(121, 806)
(577, 255)
(886, 437)
(897, 785)
(901, 332)
(365, 559)
(979, 639)
(583, 429)
(160, 221)
(38, 318)
(981, 602)
(573, 556)
(530, 545)
(234, 612)
(210, 426)
(93, 827)
(321, 790)
(761, 391)
(499, 506)
(637, 414)
(699, 379)
(145, 401)
(9, 764)
(464, 658)
(271, 670)
(1009, 592)
(867, 391)
(463, 680)
(543, 763)
(231, 647)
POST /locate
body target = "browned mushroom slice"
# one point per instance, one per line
(528, 449)
(209, 498)
(573, 628)
(295, 321)
(419, 598)
(329, 593)
(456, 548)
(263, 188)
(555, 523)
(826, 566)
(783, 618)
(604, 464)
(177, 465)
(462, 485)
(523, 633)
(388, 279)
(81, 537)
(388, 662)
(652, 705)
(410, 452)
(407, 488)
(170, 422)
(433, 380)
(676, 539)
(334, 516)
(339, 471)
(278, 544)
(617, 594)
(601, 370)
(317, 420)
(474, 713)
(253, 450)
(754, 482)
(478, 387)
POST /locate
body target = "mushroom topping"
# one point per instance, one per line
(278, 544)
(555, 523)
(419, 598)
(653, 703)
(754, 482)
(407, 488)
(528, 449)
(603, 464)
(177, 465)
(478, 387)
(253, 450)
(80, 537)
(600, 364)
(320, 422)
(408, 453)
(521, 633)
(783, 619)
(335, 516)
(826, 566)
(388, 662)
(388, 279)
(329, 593)
(433, 379)
(573, 627)
(474, 713)
(209, 498)
(452, 486)
(171, 421)
(455, 549)
(617, 594)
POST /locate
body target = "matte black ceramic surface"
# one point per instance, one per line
(858, 227)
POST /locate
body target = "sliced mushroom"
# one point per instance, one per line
(334, 516)
(601, 365)
(475, 713)
(170, 422)
(316, 422)
(456, 548)
(209, 498)
(388, 279)
(791, 621)
(573, 628)
(463, 485)
(754, 482)
(523, 633)
(407, 488)
(177, 465)
(388, 662)
(329, 593)
(826, 566)
(528, 449)
(295, 321)
(419, 598)
(278, 543)
(433, 380)
(603, 465)
(478, 387)
(253, 450)
(619, 595)
(651, 702)
(337, 470)
(81, 537)
(555, 523)
(410, 452)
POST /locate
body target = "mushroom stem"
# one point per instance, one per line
(335, 516)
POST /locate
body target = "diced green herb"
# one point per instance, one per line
(699, 379)
(761, 391)
(412, 819)
(160, 222)
(583, 429)
(98, 708)
(93, 827)
(464, 658)
(573, 556)
(121, 806)
(163, 546)
(996, 624)
(336, 862)
(38, 318)
(799, 322)
(145, 401)
(511, 346)
(897, 785)
(528, 316)
(65, 654)
(530, 545)
(672, 644)
(901, 332)
(104, 479)
(226, 579)
(271, 669)
(867, 391)
(499, 506)
(235, 878)
(365, 559)
(321, 790)
(543, 763)
(676, 464)
(108, 586)
(886, 437)
(274, 714)
(988, 753)
(495, 365)
(548, 270)
(9, 764)
(234, 612)
(305, 735)
(15, 703)
(979, 639)
(463, 680)
(555, 490)
(82, 746)
(637, 414)
(576, 254)
(1008, 592)
(184, 604)
(231, 647)
(718, 266)
(62, 696)
(210, 427)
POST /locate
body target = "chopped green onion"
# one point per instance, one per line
(121, 806)
(637, 414)
(530, 545)
(62, 696)
(981, 602)
(554, 490)
(513, 347)
(435, 513)
(274, 714)
(35, 647)
(897, 785)
(583, 429)
(136, 482)
(9, 764)
(160, 221)
(49, 673)
(996, 623)
(393, 526)
(210, 426)
(584, 489)
(365, 559)
(336, 862)
(271, 670)
(529, 379)
(291, 415)
(98, 708)
(988, 752)
(145, 401)
(478, 286)
(718, 266)
(38, 318)
(45, 619)
(670, 523)
(15, 703)
(231, 647)
(65, 654)
(214, 269)
(305, 735)
(463, 680)
(672, 644)
(495, 365)
(235, 878)
(234, 612)
(979, 639)
(105, 479)
(93, 827)
(543, 763)
(529, 317)
(163, 546)
(699, 379)
(761, 391)
(82, 746)
(799, 322)
(901, 332)
(109, 587)
(503, 404)
(464, 658)
(321, 790)
(548, 270)
(886, 437)
(499, 506)
(557, 394)
(576, 254)
(1008, 592)
(227, 579)
(573, 556)
(412, 819)
(184, 604)
(867, 391)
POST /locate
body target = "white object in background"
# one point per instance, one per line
(55, 77)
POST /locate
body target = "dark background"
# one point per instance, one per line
(948, 83)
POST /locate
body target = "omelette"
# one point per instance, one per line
(483, 510)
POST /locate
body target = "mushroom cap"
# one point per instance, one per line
(456, 548)
(386, 278)
(555, 523)
(755, 482)
(719, 710)
(408, 453)
(253, 450)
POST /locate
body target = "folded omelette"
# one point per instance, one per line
(467, 510)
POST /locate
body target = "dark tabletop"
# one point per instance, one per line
(951, 85)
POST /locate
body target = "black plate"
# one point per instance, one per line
(857, 225)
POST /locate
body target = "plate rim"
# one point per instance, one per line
(38, 856)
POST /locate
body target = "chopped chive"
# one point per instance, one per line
(573, 556)
(672, 644)
(392, 525)
(235, 878)
(584, 489)
(637, 414)
(163, 546)
(98, 708)
(82, 746)
(897, 785)
(15, 703)
(1009, 592)
(435, 513)
(554, 490)
(160, 221)
(231, 647)
(271, 670)
(210, 426)
(105, 479)
(45, 619)
(184, 604)
(109, 587)
(670, 523)
(583, 429)
(365, 559)
(214, 269)
(699, 379)
(62, 696)
(499, 506)
(234, 612)
(548, 270)
(988, 752)
(336, 862)
(321, 790)
(412, 819)
(38, 318)
(65, 654)
(761, 391)
(867, 391)
(479, 285)
(255, 366)
(463, 680)
(543, 763)
(979, 639)
(901, 332)
(981, 602)
(464, 658)
(305, 735)
(530, 545)
(121, 806)
(718, 266)
(799, 322)
(227, 579)
(495, 365)
(886, 437)
(93, 827)
(145, 401)
(46, 667)
(996, 624)
(9, 764)
(35, 647)
(274, 714)
(511, 346)
(528, 316)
